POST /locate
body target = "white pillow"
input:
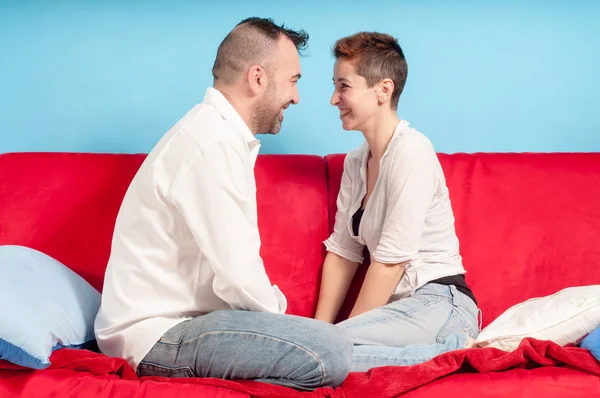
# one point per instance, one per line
(564, 317)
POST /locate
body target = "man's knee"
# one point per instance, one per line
(306, 353)
(333, 347)
(340, 359)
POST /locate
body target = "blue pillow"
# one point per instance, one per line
(43, 306)
(591, 342)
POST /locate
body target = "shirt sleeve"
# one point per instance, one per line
(340, 241)
(411, 189)
(215, 195)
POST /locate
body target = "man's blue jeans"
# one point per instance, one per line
(287, 350)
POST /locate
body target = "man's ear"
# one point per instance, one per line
(257, 79)
(386, 89)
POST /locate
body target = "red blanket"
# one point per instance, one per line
(387, 381)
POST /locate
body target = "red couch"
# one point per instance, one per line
(529, 225)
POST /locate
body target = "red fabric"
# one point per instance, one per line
(566, 363)
(65, 205)
(544, 382)
(293, 223)
(529, 354)
(69, 383)
(528, 224)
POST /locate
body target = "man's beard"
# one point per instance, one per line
(267, 116)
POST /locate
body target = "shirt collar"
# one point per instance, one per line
(397, 132)
(215, 97)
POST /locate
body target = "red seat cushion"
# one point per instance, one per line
(546, 382)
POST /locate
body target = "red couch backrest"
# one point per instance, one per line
(528, 224)
(65, 205)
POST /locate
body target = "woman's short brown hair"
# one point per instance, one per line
(377, 56)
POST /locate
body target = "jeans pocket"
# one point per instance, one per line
(454, 324)
(151, 369)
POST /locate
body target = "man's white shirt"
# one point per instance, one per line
(186, 239)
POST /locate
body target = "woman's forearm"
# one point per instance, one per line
(379, 284)
(335, 282)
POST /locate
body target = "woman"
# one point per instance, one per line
(414, 303)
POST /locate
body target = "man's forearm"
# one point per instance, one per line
(335, 282)
(378, 286)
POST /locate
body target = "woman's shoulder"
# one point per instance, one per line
(408, 136)
(408, 139)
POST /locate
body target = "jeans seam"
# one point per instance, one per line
(461, 320)
(466, 305)
(312, 354)
(168, 368)
(475, 314)
(455, 314)
(445, 326)
(460, 304)
(465, 322)
(181, 333)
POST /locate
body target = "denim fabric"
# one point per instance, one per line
(292, 351)
(434, 320)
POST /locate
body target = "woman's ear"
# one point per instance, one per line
(386, 90)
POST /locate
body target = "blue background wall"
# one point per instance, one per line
(113, 76)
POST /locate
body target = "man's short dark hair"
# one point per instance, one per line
(253, 40)
(269, 28)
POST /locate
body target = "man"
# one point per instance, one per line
(186, 293)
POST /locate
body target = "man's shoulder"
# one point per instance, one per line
(205, 125)
(201, 127)
(193, 135)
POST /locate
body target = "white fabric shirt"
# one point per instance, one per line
(186, 239)
(408, 216)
